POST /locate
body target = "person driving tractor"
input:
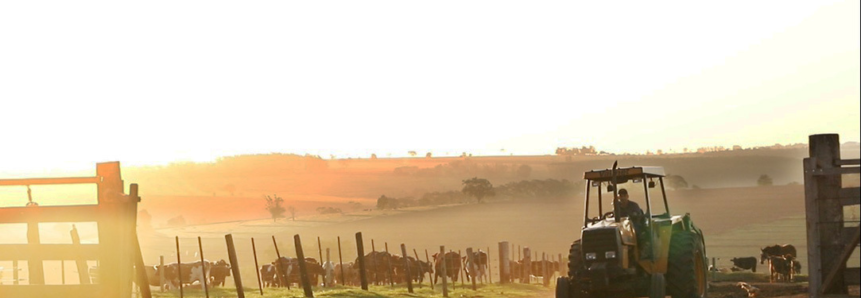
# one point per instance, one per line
(626, 207)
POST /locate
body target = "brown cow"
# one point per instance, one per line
(452, 265)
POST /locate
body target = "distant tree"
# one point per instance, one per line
(384, 202)
(478, 188)
(412, 153)
(274, 206)
(676, 182)
(373, 156)
(524, 171)
(428, 155)
(764, 180)
(292, 211)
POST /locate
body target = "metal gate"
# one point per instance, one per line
(115, 253)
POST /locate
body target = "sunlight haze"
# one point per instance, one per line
(162, 81)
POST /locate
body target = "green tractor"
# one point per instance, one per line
(647, 253)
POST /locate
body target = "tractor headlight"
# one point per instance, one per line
(591, 256)
(610, 254)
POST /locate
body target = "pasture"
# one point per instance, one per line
(736, 221)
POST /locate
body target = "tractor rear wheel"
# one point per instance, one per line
(686, 271)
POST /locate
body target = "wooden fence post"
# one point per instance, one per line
(179, 267)
(504, 264)
(444, 275)
(421, 267)
(527, 264)
(161, 273)
(461, 271)
(203, 266)
(234, 265)
(256, 266)
(374, 264)
(389, 266)
(360, 249)
(303, 269)
(545, 274)
(285, 280)
(430, 275)
(407, 272)
(487, 263)
(320, 249)
(341, 261)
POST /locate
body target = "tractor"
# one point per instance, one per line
(648, 253)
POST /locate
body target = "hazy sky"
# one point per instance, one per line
(158, 81)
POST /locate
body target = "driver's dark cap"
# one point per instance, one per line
(623, 192)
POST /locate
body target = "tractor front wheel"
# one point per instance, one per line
(686, 271)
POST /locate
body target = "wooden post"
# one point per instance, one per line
(234, 265)
(527, 265)
(444, 275)
(504, 264)
(407, 275)
(326, 282)
(470, 262)
(824, 215)
(341, 261)
(487, 263)
(430, 275)
(389, 272)
(256, 266)
(714, 265)
(421, 267)
(545, 274)
(161, 273)
(303, 269)
(320, 249)
(374, 264)
(521, 269)
(460, 272)
(179, 267)
(278, 267)
(203, 265)
(360, 249)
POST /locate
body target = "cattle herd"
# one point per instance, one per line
(780, 261)
(381, 268)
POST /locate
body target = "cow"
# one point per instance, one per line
(452, 265)
(220, 272)
(777, 250)
(329, 277)
(781, 268)
(188, 273)
(748, 263)
(477, 270)
(377, 266)
(350, 274)
(276, 274)
(268, 275)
